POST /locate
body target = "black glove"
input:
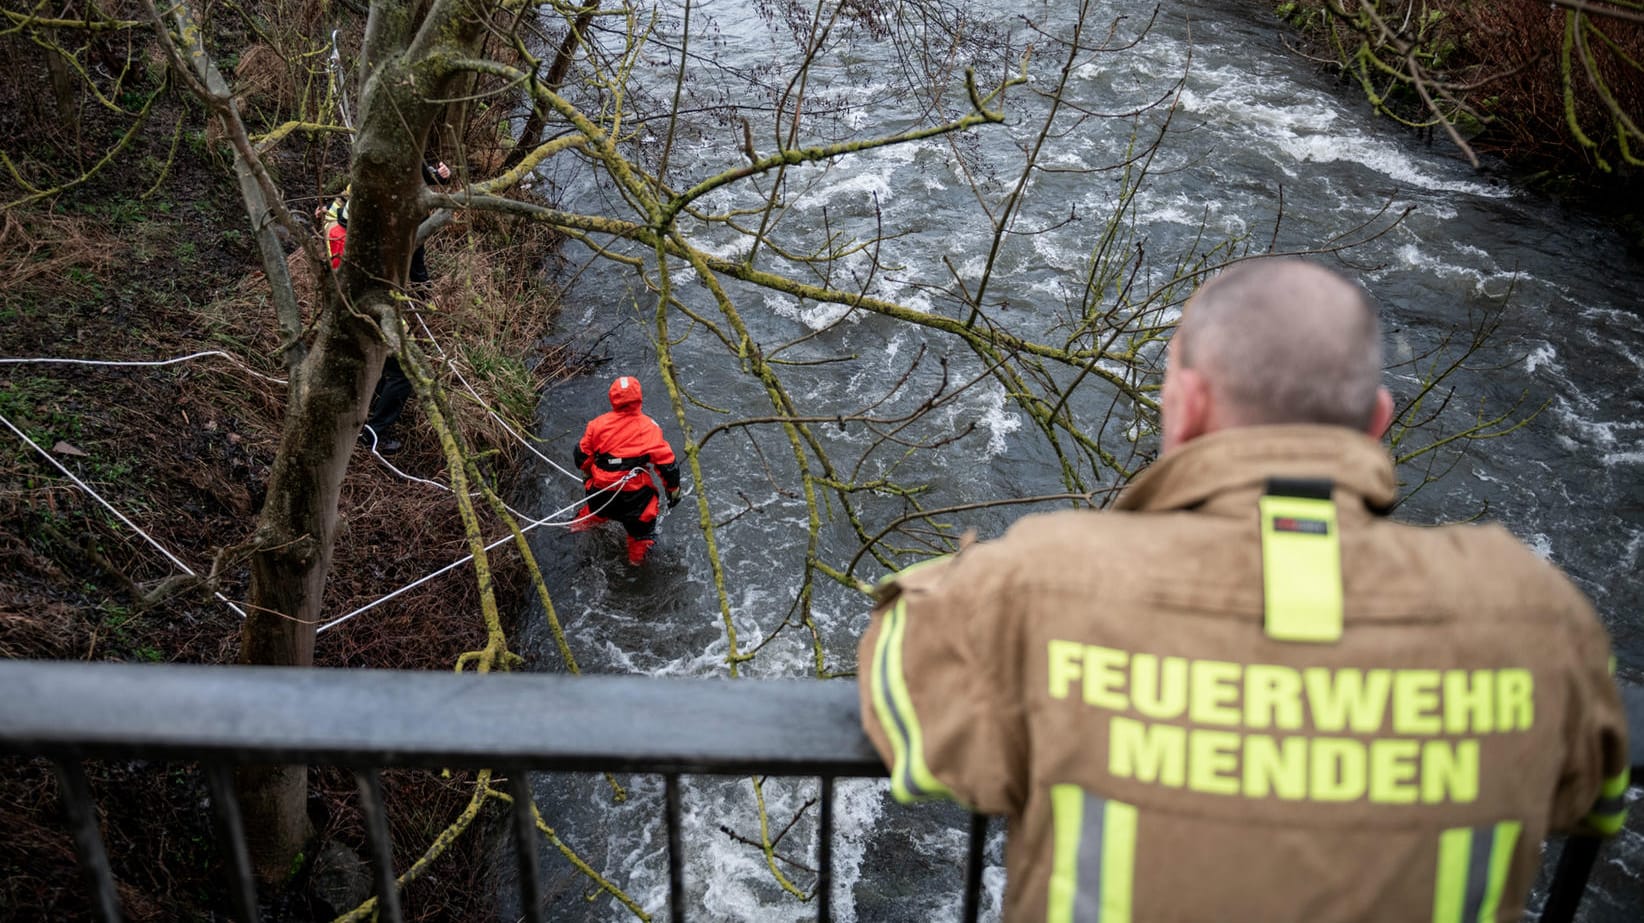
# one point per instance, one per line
(673, 498)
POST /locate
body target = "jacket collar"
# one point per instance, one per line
(1243, 458)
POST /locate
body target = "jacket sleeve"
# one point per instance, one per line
(662, 456)
(670, 475)
(1593, 784)
(583, 454)
(932, 674)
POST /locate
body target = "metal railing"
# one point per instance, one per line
(222, 717)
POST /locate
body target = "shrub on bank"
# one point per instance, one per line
(1554, 92)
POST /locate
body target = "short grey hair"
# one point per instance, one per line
(1283, 340)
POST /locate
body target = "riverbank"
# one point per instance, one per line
(149, 262)
(1546, 96)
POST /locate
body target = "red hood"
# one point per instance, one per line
(626, 394)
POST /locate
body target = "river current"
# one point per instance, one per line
(1262, 151)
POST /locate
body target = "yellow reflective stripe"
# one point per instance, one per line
(1067, 810)
(1118, 861)
(1501, 861)
(1609, 813)
(1301, 569)
(911, 568)
(1093, 858)
(1607, 824)
(911, 778)
(886, 589)
(1450, 890)
(1473, 864)
(881, 697)
(1616, 785)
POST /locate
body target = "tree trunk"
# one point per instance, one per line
(332, 391)
(531, 134)
(331, 384)
(288, 572)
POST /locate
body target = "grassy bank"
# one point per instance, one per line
(150, 260)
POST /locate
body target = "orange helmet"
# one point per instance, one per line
(625, 392)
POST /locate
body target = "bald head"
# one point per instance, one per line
(1279, 340)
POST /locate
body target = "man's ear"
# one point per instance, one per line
(1186, 407)
(1382, 416)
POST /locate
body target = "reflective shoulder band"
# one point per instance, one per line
(1609, 813)
(911, 778)
(1301, 561)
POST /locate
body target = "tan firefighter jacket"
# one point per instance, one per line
(1233, 699)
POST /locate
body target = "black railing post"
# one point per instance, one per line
(973, 867)
(525, 843)
(676, 851)
(88, 840)
(380, 843)
(1575, 865)
(231, 837)
(824, 854)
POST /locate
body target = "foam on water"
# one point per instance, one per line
(1488, 282)
(970, 267)
(729, 880)
(1219, 215)
(1635, 543)
(1543, 355)
(1540, 544)
(918, 301)
(990, 409)
(813, 314)
(865, 184)
(1267, 112)
(1381, 157)
(1626, 319)
(1440, 211)
(1602, 434)
(1057, 254)
(858, 805)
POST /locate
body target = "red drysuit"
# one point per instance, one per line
(616, 452)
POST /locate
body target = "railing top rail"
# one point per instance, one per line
(364, 718)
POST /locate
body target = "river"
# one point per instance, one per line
(1262, 151)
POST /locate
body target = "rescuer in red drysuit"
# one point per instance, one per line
(615, 444)
(335, 220)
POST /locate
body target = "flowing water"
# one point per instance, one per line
(1262, 149)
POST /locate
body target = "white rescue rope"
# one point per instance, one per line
(117, 514)
(548, 520)
(518, 437)
(545, 521)
(48, 360)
